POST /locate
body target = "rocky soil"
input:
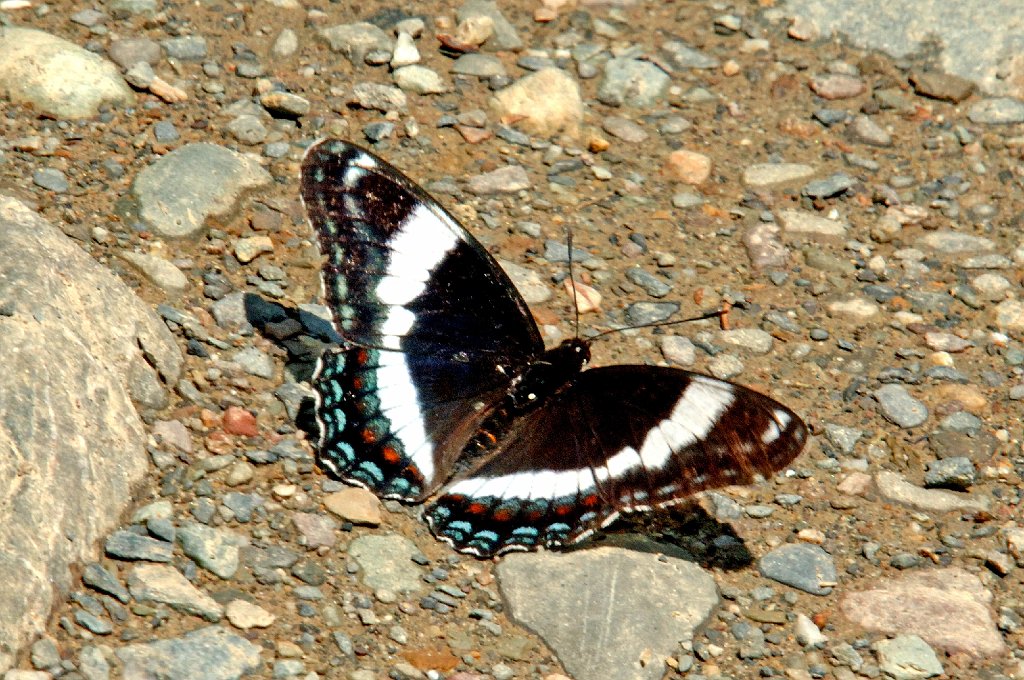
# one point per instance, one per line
(861, 215)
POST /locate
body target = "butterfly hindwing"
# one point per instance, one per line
(433, 313)
(617, 439)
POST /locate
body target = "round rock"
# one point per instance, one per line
(804, 567)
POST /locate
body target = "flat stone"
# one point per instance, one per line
(128, 545)
(752, 339)
(181, 189)
(899, 407)
(542, 103)
(220, 654)
(948, 608)
(892, 486)
(907, 657)
(357, 41)
(942, 86)
(216, 550)
(764, 247)
(386, 562)
(420, 80)
(763, 175)
(479, 65)
(856, 308)
(56, 76)
(571, 599)
(504, 35)
(165, 584)
(245, 615)
(953, 242)
(802, 566)
(528, 282)
(315, 530)
(688, 167)
(837, 86)
(997, 111)
(507, 180)
(162, 273)
(865, 130)
(801, 223)
(632, 82)
(355, 505)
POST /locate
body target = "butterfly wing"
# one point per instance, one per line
(618, 439)
(434, 326)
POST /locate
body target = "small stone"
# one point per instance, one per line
(678, 350)
(837, 86)
(894, 487)
(245, 615)
(481, 66)
(45, 653)
(165, 585)
(802, 566)
(239, 473)
(808, 634)
(507, 180)
(764, 175)
(254, 362)
(653, 285)
(688, 167)
(955, 473)
(216, 550)
(405, 52)
(162, 273)
(866, 131)
(285, 104)
(185, 48)
(51, 179)
(833, 185)
(907, 657)
(378, 97)
(644, 313)
(315, 531)
(632, 82)
(98, 577)
(249, 248)
(801, 223)
(542, 103)
(624, 129)
(419, 80)
(898, 407)
(220, 654)
(128, 545)
(357, 41)
(355, 505)
(386, 562)
(997, 111)
(239, 421)
(942, 86)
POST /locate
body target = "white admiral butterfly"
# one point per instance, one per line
(443, 381)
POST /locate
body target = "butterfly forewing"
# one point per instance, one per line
(618, 439)
(431, 314)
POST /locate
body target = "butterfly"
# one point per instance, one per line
(442, 390)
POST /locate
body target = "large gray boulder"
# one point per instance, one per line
(77, 348)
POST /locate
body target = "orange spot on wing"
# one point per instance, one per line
(502, 515)
(369, 436)
(591, 501)
(476, 508)
(391, 455)
(357, 383)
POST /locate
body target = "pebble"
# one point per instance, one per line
(254, 362)
(653, 285)
(899, 407)
(643, 313)
(837, 86)
(907, 657)
(833, 185)
(624, 129)
(804, 567)
(249, 248)
(681, 56)
(752, 339)
(808, 634)
(315, 530)
(420, 80)
(800, 223)
(505, 37)
(355, 505)
(688, 167)
(542, 103)
(678, 350)
(128, 545)
(942, 86)
(632, 82)
(866, 131)
(51, 179)
(163, 274)
(165, 585)
(386, 563)
(97, 576)
(507, 180)
(997, 111)
(357, 41)
(773, 174)
(894, 487)
(479, 65)
(245, 615)
(216, 550)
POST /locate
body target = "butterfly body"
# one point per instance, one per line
(444, 391)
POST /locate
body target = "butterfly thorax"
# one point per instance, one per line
(551, 372)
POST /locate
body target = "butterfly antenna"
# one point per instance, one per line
(572, 284)
(717, 313)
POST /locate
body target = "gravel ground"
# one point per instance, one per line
(861, 214)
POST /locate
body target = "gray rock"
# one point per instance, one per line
(128, 545)
(678, 350)
(163, 274)
(505, 36)
(751, 339)
(165, 584)
(479, 65)
(953, 242)
(92, 664)
(420, 80)
(180, 190)
(528, 282)
(653, 285)
(866, 131)
(899, 408)
(632, 82)
(215, 550)
(907, 657)
(842, 437)
(387, 562)
(97, 576)
(210, 653)
(186, 47)
(51, 179)
(681, 56)
(126, 8)
(507, 180)
(254, 361)
(894, 487)
(57, 77)
(998, 111)
(357, 41)
(129, 51)
(45, 653)
(570, 599)
(802, 223)
(642, 313)
(378, 97)
(100, 625)
(247, 129)
(833, 185)
(763, 175)
(802, 566)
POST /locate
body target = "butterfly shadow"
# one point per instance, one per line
(303, 335)
(685, 531)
